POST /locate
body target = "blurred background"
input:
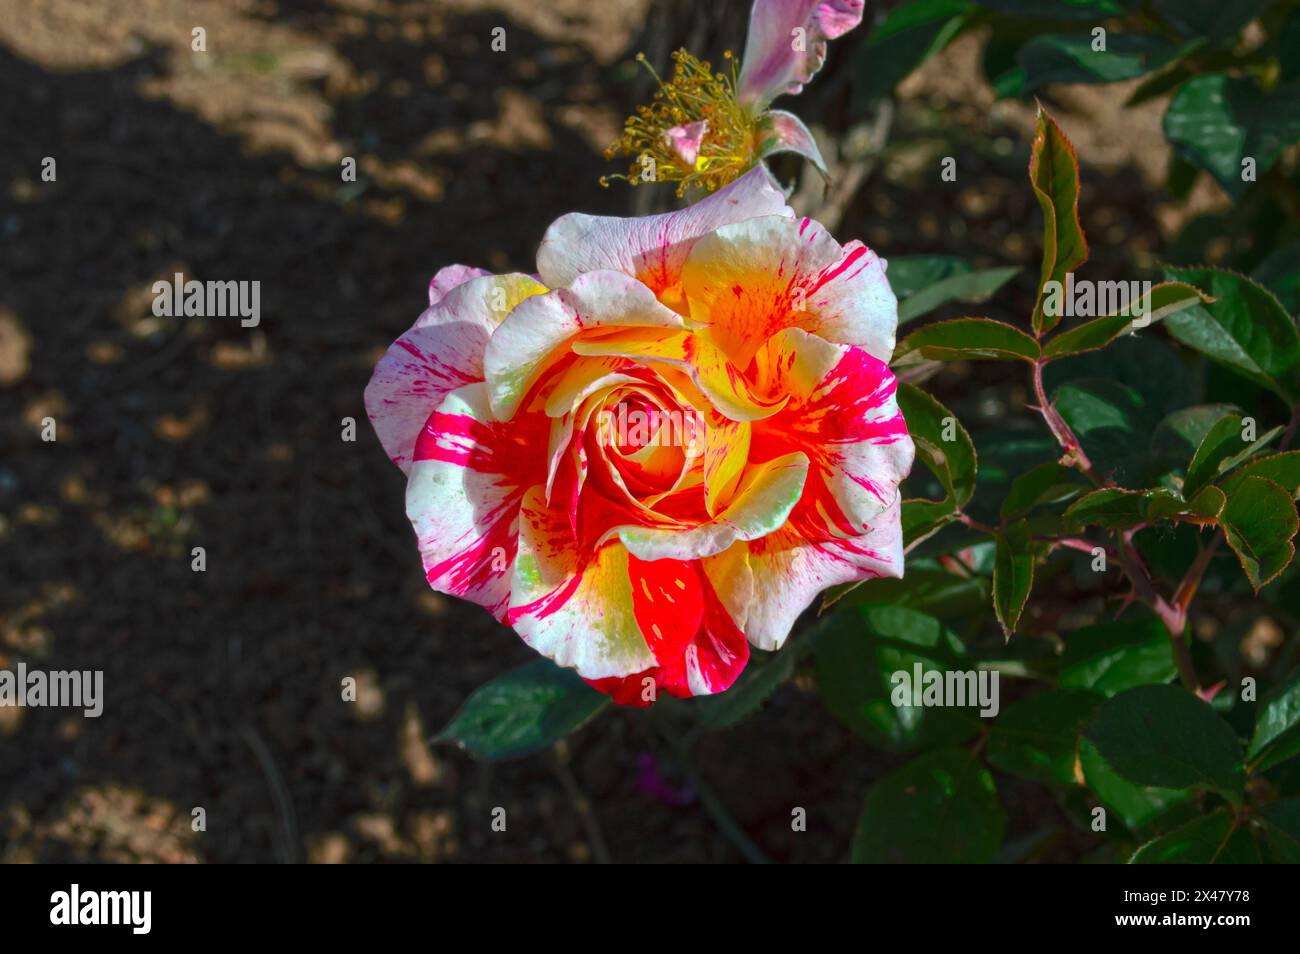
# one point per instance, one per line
(223, 687)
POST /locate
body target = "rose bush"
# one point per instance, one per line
(651, 561)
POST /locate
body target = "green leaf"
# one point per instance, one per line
(1279, 272)
(522, 711)
(1047, 483)
(1180, 433)
(1216, 838)
(967, 287)
(1245, 329)
(922, 519)
(923, 588)
(1277, 728)
(939, 808)
(1258, 523)
(1070, 58)
(1109, 658)
(1280, 826)
(1060, 9)
(1013, 574)
(1165, 736)
(1221, 444)
(855, 655)
(910, 35)
(756, 683)
(1136, 805)
(1216, 121)
(909, 274)
(1163, 300)
(1054, 175)
(966, 339)
(941, 442)
(1109, 507)
(1112, 420)
(1213, 19)
(1038, 737)
(1283, 469)
(1206, 507)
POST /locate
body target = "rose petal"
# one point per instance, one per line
(464, 491)
(708, 663)
(789, 134)
(748, 281)
(668, 602)
(443, 350)
(686, 140)
(789, 572)
(715, 378)
(726, 451)
(450, 277)
(844, 416)
(575, 608)
(652, 248)
(762, 504)
(772, 64)
(530, 339)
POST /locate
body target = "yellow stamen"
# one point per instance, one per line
(694, 94)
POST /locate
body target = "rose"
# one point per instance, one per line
(640, 563)
(705, 128)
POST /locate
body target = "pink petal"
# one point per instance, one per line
(789, 134)
(449, 277)
(772, 66)
(686, 140)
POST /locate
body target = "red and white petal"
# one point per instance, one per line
(530, 340)
(748, 281)
(652, 248)
(442, 351)
(668, 602)
(789, 572)
(705, 661)
(464, 491)
(763, 502)
(844, 415)
(575, 608)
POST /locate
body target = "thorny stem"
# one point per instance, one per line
(1173, 617)
(1074, 452)
(1187, 588)
(1172, 614)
